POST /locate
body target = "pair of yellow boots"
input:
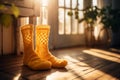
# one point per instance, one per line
(40, 58)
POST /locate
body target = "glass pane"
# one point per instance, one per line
(74, 3)
(24, 21)
(81, 25)
(61, 21)
(61, 3)
(74, 25)
(67, 22)
(44, 15)
(44, 2)
(81, 28)
(38, 21)
(67, 3)
(94, 2)
(80, 14)
(80, 2)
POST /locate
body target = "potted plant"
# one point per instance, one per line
(90, 15)
(111, 20)
(108, 17)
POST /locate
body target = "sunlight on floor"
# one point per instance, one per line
(17, 76)
(103, 54)
(71, 59)
(106, 53)
(79, 70)
(59, 76)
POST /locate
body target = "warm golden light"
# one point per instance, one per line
(104, 55)
(71, 59)
(96, 32)
(59, 76)
(24, 21)
(81, 4)
(96, 74)
(68, 25)
(61, 21)
(44, 12)
(27, 20)
(95, 2)
(44, 2)
(38, 21)
(81, 28)
(17, 76)
(80, 68)
(76, 69)
(44, 15)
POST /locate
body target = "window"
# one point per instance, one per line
(44, 12)
(94, 2)
(69, 25)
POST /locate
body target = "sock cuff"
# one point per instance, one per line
(27, 26)
(43, 27)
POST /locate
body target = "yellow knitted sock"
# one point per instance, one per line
(42, 34)
(30, 58)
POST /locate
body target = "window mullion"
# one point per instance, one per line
(71, 24)
(77, 22)
(64, 17)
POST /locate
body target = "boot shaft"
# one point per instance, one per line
(42, 34)
(30, 58)
(27, 34)
(42, 38)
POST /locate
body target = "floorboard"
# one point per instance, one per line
(83, 64)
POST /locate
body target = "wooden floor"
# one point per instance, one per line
(83, 64)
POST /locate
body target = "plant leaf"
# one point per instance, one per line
(5, 20)
(2, 7)
(15, 10)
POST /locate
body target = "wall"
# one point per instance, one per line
(7, 40)
(0, 41)
(116, 4)
(115, 43)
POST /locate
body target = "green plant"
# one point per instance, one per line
(110, 18)
(7, 11)
(90, 15)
